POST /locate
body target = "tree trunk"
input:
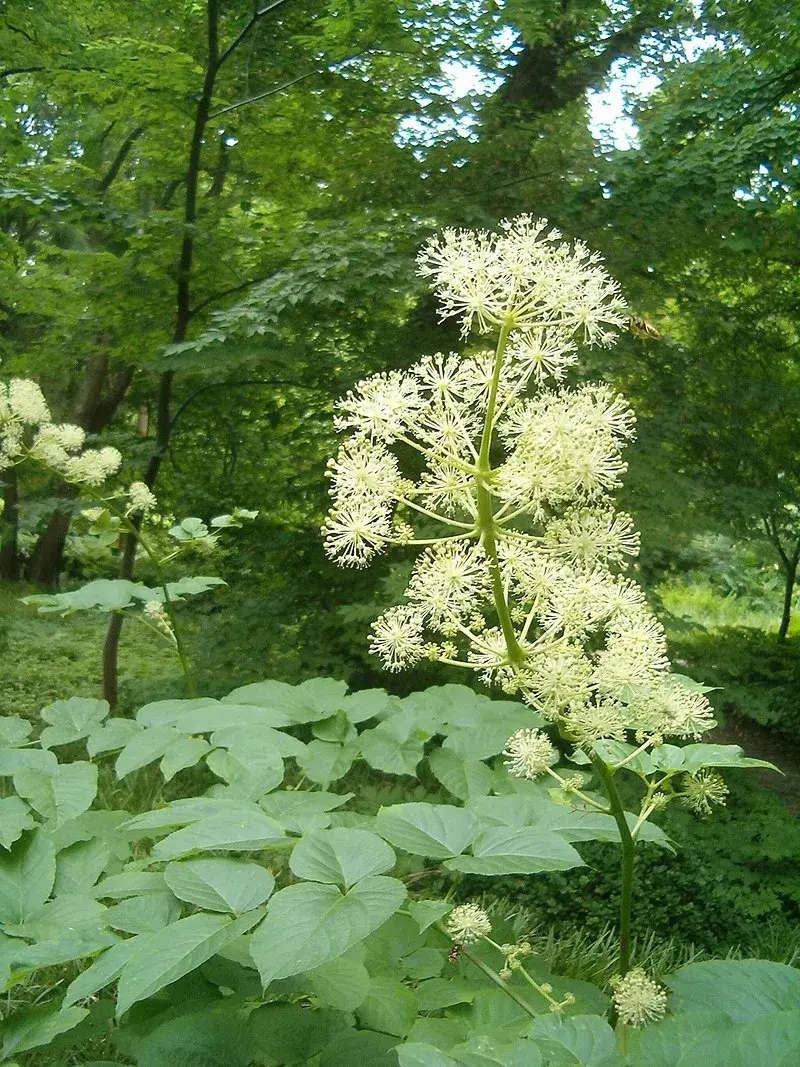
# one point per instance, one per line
(47, 558)
(9, 548)
(790, 577)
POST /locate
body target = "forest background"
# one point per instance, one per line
(209, 213)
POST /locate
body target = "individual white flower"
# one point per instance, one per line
(529, 753)
(668, 707)
(446, 379)
(542, 353)
(141, 498)
(356, 531)
(48, 449)
(27, 402)
(591, 722)
(397, 638)
(558, 678)
(638, 999)
(703, 790)
(468, 923)
(446, 489)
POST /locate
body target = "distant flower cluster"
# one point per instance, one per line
(26, 430)
(503, 475)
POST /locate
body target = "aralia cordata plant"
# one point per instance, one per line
(520, 577)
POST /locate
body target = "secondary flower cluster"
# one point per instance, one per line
(504, 476)
(26, 430)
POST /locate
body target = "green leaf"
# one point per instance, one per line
(129, 884)
(506, 850)
(342, 983)
(416, 1054)
(144, 748)
(342, 857)
(36, 1028)
(27, 874)
(16, 759)
(61, 794)
(396, 745)
(248, 737)
(290, 1034)
(191, 585)
(309, 924)
(325, 761)
(433, 830)
(218, 884)
(249, 776)
(438, 993)
(15, 817)
(692, 758)
(587, 1040)
(389, 1007)
(166, 956)
(464, 778)
(485, 1050)
(223, 832)
(207, 1036)
(183, 753)
(189, 716)
(316, 699)
(742, 989)
(72, 719)
(300, 812)
(426, 912)
(80, 865)
(487, 738)
(360, 1048)
(14, 731)
(114, 734)
(183, 812)
(104, 970)
(144, 914)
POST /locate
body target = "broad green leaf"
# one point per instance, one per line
(485, 1050)
(218, 884)
(464, 778)
(184, 714)
(27, 874)
(587, 1040)
(316, 699)
(112, 735)
(104, 970)
(222, 832)
(695, 757)
(434, 830)
(616, 751)
(342, 983)
(396, 745)
(337, 728)
(681, 1041)
(166, 956)
(72, 719)
(15, 816)
(310, 923)
(244, 738)
(205, 1036)
(360, 1047)
(423, 963)
(80, 865)
(291, 1034)
(129, 884)
(325, 761)
(61, 794)
(17, 759)
(144, 748)
(144, 914)
(14, 731)
(246, 777)
(36, 1028)
(368, 704)
(506, 850)
(438, 993)
(427, 912)
(342, 857)
(183, 812)
(301, 812)
(389, 1007)
(742, 989)
(416, 1054)
(488, 737)
(183, 753)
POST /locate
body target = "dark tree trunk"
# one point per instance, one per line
(9, 548)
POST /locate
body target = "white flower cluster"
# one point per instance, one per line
(26, 431)
(638, 999)
(520, 574)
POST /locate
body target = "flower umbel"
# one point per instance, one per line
(638, 999)
(703, 790)
(468, 923)
(529, 753)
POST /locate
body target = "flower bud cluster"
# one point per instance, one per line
(26, 430)
(519, 577)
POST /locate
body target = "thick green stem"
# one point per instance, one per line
(486, 521)
(628, 851)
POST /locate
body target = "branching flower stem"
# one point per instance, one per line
(628, 853)
(486, 521)
(492, 974)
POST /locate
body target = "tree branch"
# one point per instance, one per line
(226, 292)
(235, 385)
(255, 18)
(269, 92)
(119, 159)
